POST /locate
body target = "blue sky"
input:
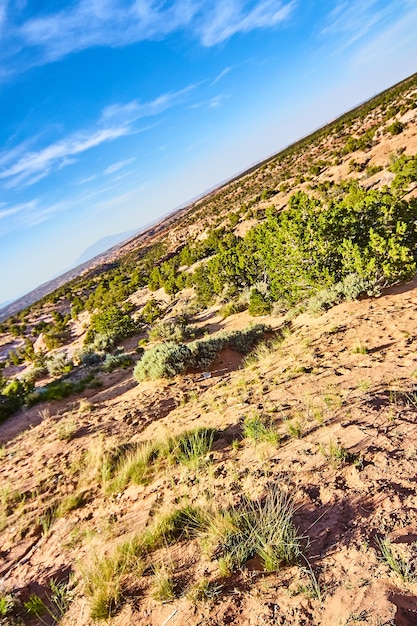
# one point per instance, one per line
(114, 112)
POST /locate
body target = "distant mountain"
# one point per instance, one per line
(125, 242)
(14, 306)
(102, 245)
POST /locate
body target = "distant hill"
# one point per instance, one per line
(10, 308)
(125, 242)
(102, 245)
(103, 251)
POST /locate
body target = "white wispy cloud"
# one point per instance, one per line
(115, 202)
(216, 101)
(18, 208)
(116, 23)
(93, 194)
(134, 110)
(115, 167)
(352, 20)
(12, 154)
(86, 180)
(400, 33)
(105, 22)
(43, 214)
(26, 215)
(222, 74)
(229, 17)
(124, 175)
(33, 166)
(24, 167)
(211, 103)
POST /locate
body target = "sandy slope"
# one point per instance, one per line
(366, 402)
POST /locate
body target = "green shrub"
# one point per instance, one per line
(373, 169)
(113, 361)
(59, 364)
(350, 288)
(60, 389)
(34, 374)
(245, 340)
(165, 360)
(396, 128)
(151, 311)
(169, 359)
(205, 351)
(87, 356)
(355, 166)
(312, 246)
(17, 388)
(14, 358)
(171, 330)
(56, 337)
(110, 325)
(103, 342)
(259, 303)
(7, 606)
(405, 170)
(231, 308)
(13, 396)
(8, 406)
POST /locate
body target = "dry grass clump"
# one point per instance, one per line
(132, 464)
(264, 528)
(258, 527)
(404, 566)
(107, 579)
(163, 588)
(257, 429)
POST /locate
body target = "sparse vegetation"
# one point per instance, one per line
(401, 565)
(335, 452)
(359, 348)
(262, 527)
(185, 489)
(169, 359)
(114, 361)
(163, 589)
(172, 330)
(257, 429)
(137, 464)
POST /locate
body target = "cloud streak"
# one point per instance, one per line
(24, 167)
(33, 166)
(221, 75)
(21, 216)
(117, 23)
(134, 110)
(115, 167)
(352, 20)
(227, 18)
(400, 33)
(18, 208)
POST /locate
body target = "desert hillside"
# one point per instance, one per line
(217, 426)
